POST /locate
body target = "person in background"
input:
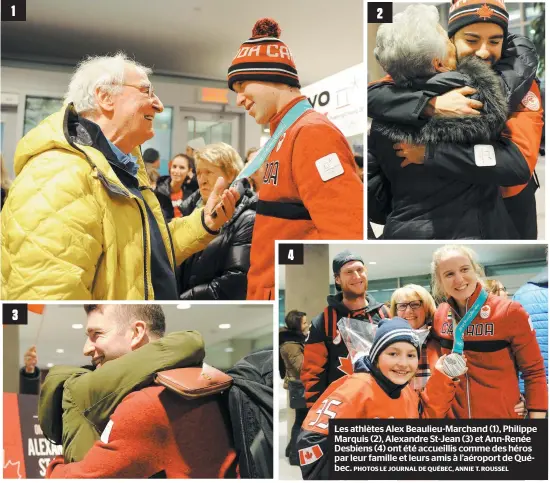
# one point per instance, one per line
(176, 185)
(5, 180)
(219, 272)
(359, 165)
(496, 288)
(29, 374)
(151, 157)
(533, 296)
(292, 338)
(194, 145)
(250, 154)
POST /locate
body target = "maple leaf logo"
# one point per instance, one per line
(11, 470)
(484, 12)
(345, 365)
(309, 455)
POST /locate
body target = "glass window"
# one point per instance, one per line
(162, 140)
(39, 108)
(210, 131)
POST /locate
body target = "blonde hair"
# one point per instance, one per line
(493, 286)
(5, 178)
(418, 291)
(223, 156)
(439, 254)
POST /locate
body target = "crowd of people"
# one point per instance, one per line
(456, 126)
(462, 350)
(110, 227)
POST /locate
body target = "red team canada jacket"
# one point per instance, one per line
(156, 433)
(497, 343)
(310, 191)
(360, 397)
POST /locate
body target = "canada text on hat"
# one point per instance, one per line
(264, 57)
(467, 12)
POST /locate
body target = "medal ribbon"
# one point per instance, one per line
(458, 345)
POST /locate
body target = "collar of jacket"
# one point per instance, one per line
(336, 302)
(451, 301)
(364, 364)
(277, 119)
(286, 335)
(484, 128)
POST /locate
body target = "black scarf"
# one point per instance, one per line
(391, 389)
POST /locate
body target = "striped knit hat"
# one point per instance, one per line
(390, 331)
(264, 58)
(467, 12)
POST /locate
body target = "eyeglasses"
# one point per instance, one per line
(150, 90)
(414, 305)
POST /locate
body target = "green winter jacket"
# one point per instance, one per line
(76, 403)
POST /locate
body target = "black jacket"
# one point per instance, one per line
(326, 356)
(450, 196)
(188, 205)
(220, 271)
(29, 383)
(163, 192)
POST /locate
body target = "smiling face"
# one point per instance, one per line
(398, 362)
(133, 110)
(352, 279)
(411, 308)
(457, 276)
(107, 339)
(179, 169)
(260, 99)
(484, 40)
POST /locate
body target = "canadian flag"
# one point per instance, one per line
(309, 455)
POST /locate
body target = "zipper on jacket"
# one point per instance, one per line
(144, 229)
(101, 257)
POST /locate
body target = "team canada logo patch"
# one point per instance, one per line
(531, 101)
(310, 455)
(485, 312)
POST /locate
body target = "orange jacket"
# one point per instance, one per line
(498, 342)
(295, 203)
(524, 128)
(155, 432)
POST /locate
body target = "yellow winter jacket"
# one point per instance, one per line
(72, 230)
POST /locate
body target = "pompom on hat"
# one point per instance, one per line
(466, 12)
(264, 57)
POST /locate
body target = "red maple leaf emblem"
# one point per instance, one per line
(309, 455)
(484, 12)
(345, 365)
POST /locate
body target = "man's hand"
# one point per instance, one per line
(520, 408)
(413, 153)
(220, 205)
(31, 360)
(454, 103)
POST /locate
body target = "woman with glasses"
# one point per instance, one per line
(415, 304)
(496, 288)
(494, 334)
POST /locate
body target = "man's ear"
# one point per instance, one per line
(104, 100)
(139, 334)
(438, 66)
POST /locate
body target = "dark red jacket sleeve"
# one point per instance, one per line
(133, 448)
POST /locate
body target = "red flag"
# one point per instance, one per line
(36, 308)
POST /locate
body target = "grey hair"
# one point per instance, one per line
(106, 72)
(406, 48)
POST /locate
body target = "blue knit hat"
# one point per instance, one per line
(390, 331)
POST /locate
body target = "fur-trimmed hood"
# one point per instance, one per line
(483, 128)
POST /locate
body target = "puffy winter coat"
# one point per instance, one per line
(533, 296)
(164, 190)
(72, 230)
(219, 272)
(450, 195)
(291, 351)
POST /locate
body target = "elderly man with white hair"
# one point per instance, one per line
(417, 191)
(81, 221)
